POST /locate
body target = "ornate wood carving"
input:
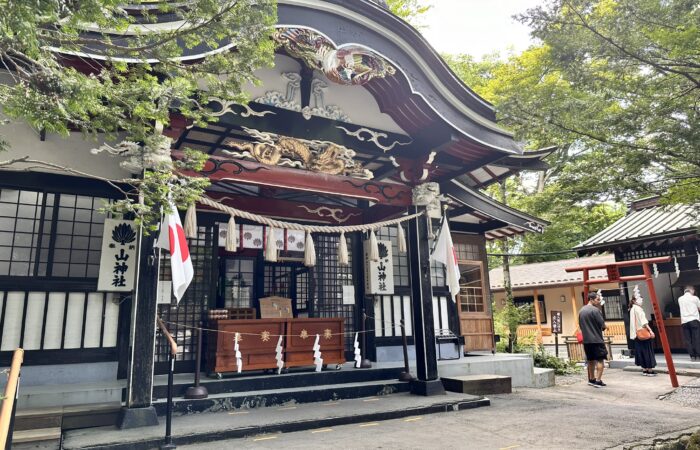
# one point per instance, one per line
(250, 172)
(347, 64)
(317, 156)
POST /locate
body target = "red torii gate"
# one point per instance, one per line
(613, 271)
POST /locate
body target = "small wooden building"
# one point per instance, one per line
(557, 290)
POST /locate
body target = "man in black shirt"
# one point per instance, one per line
(592, 325)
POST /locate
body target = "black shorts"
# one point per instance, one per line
(595, 352)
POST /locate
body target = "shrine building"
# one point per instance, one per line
(358, 122)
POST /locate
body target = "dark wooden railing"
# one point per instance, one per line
(9, 400)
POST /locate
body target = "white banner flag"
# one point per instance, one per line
(445, 253)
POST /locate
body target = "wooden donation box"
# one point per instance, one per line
(301, 335)
(258, 343)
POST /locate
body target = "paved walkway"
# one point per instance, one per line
(570, 416)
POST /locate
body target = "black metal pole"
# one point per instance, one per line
(197, 391)
(169, 412)
(556, 344)
(366, 363)
(406, 374)
(11, 429)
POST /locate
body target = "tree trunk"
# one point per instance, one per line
(505, 250)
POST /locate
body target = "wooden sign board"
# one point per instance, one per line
(275, 308)
(613, 272)
(556, 322)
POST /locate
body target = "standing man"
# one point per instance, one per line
(592, 324)
(690, 321)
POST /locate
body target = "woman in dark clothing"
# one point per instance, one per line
(643, 348)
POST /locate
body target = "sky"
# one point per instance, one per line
(477, 27)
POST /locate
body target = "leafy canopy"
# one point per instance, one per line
(97, 66)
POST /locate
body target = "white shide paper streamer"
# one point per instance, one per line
(358, 353)
(317, 355)
(278, 356)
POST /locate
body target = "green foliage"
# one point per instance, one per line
(545, 360)
(620, 79)
(505, 324)
(142, 80)
(411, 11)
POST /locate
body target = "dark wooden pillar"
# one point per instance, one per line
(139, 410)
(427, 381)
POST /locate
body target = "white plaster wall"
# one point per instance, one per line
(72, 151)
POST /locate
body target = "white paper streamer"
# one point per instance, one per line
(698, 259)
(358, 352)
(278, 356)
(239, 357)
(656, 271)
(675, 264)
(599, 293)
(635, 293)
(317, 354)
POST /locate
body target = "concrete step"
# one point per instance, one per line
(664, 369)
(32, 419)
(478, 384)
(93, 415)
(542, 377)
(193, 429)
(277, 397)
(660, 361)
(41, 438)
(50, 395)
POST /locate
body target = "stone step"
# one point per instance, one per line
(263, 421)
(257, 381)
(93, 415)
(51, 395)
(41, 438)
(664, 369)
(660, 361)
(478, 384)
(38, 418)
(278, 397)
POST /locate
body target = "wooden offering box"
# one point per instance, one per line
(301, 335)
(257, 344)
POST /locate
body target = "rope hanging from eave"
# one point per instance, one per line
(305, 228)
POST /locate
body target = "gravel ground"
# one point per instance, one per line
(686, 395)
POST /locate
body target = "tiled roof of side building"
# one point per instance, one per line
(548, 274)
(645, 223)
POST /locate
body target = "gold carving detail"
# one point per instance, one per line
(317, 156)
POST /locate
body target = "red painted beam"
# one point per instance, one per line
(249, 172)
(286, 209)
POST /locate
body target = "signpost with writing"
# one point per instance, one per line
(556, 329)
(118, 258)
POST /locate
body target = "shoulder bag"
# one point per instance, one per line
(643, 333)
